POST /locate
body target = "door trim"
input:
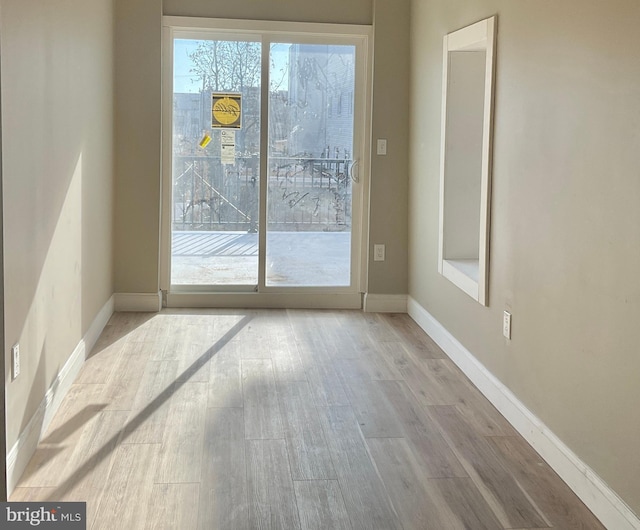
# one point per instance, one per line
(359, 35)
(265, 26)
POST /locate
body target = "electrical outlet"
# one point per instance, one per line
(506, 325)
(15, 361)
(382, 146)
(378, 252)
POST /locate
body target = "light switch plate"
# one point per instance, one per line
(15, 361)
(506, 325)
(382, 146)
(378, 252)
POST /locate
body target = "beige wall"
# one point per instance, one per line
(138, 114)
(332, 11)
(389, 174)
(138, 80)
(565, 237)
(57, 122)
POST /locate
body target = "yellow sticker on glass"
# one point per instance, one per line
(205, 141)
(226, 110)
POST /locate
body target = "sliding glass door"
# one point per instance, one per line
(264, 142)
(216, 171)
(310, 199)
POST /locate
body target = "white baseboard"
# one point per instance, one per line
(606, 505)
(385, 303)
(138, 302)
(22, 451)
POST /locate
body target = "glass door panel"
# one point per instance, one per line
(216, 166)
(310, 157)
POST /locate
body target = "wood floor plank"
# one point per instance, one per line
(314, 333)
(440, 382)
(194, 364)
(261, 334)
(272, 502)
(225, 379)
(46, 466)
(511, 504)
(341, 343)
(422, 503)
(224, 325)
(397, 355)
(325, 385)
(50, 460)
(127, 322)
(263, 422)
(433, 452)
(372, 325)
(372, 408)
(149, 412)
(155, 330)
(33, 495)
(262, 418)
(370, 366)
(479, 411)
(223, 491)
(201, 328)
(552, 495)
(180, 455)
(364, 345)
(461, 505)
(413, 336)
(104, 357)
(122, 385)
(314, 350)
(377, 327)
(203, 342)
(320, 505)
(173, 506)
(82, 402)
(101, 435)
(287, 363)
(128, 489)
(308, 451)
(486, 418)
(399, 471)
(172, 348)
(383, 331)
(363, 492)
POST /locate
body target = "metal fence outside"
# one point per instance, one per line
(304, 194)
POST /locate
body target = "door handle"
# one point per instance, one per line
(354, 176)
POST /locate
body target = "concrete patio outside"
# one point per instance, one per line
(231, 258)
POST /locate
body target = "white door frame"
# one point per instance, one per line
(268, 32)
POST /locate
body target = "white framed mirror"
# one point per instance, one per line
(465, 157)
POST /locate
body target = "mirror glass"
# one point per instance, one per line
(465, 157)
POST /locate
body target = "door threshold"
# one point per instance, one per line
(325, 300)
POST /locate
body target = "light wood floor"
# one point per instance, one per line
(230, 419)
